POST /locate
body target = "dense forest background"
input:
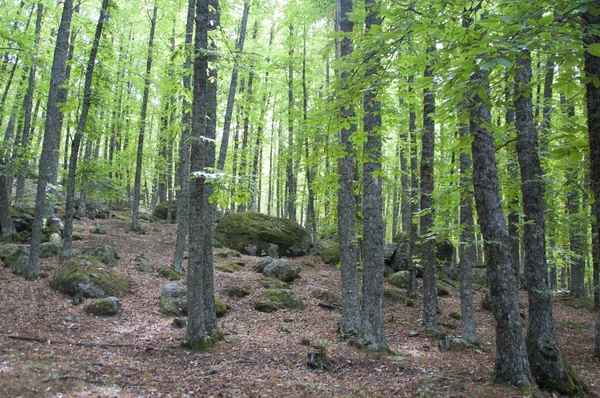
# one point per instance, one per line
(355, 119)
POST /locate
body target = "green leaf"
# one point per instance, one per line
(594, 49)
(546, 20)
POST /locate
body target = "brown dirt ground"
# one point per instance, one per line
(137, 353)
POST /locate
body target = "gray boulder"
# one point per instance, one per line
(104, 307)
(281, 269)
(401, 259)
(19, 262)
(262, 263)
(388, 252)
(107, 254)
(174, 290)
(399, 279)
(50, 249)
(7, 251)
(239, 230)
(285, 298)
(97, 208)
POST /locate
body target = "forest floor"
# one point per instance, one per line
(137, 353)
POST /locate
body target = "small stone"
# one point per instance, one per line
(476, 378)
(71, 319)
(413, 333)
(214, 370)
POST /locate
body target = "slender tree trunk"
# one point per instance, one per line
(51, 143)
(85, 107)
(291, 179)
(544, 354)
(411, 290)
(350, 322)
(427, 240)
(311, 221)
(372, 334)
(512, 364)
(232, 89)
(140, 146)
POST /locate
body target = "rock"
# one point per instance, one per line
(330, 252)
(161, 210)
(413, 333)
(54, 225)
(220, 307)
(250, 249)
(265, 306)
(98, 229)
(169, 273)
(140, 264)
(269, 283)
(236, 291)
(97, 208)
(22, 216)
(393, 295)
(442, 291)
(70, 319)
(19, 262)
(445, 342)
(326, 296)
(281, 269)
(172, 306)
(8, 250)
(387, 271)
(399, 279)
(285, 298)
(89, 277)
(174, 290)
(401, 259)
(50, 249)
(273, 251)
(317, 361)
(388, 252)
(179, 323)
(229, 267)
(104, 307)
(107, 254)
(239, 230)
(55, 238)
(445, 258)
(262, 263)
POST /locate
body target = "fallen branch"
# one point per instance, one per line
(59, 378)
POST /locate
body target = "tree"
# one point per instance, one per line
(547, 365)
(350, 322)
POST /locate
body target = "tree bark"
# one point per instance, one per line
(350, 322)
(543, 352)
(372, 334)
(291, 180)
(512, 364)
(140, 146)
(51, 143)
(85, 107)
(426, 219)
(411, 290)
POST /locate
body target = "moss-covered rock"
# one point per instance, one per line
(168, 273)
(265, 306)
(172, 306)
(7, 251)
(104, 307)
(262, 263)
(399, 279)
(88, 277)
(442, 291)
(236, 291)
(269, 283)
(455, 315)
(19, 263)
(220, 307)
(50, 249)
(285, 298)
(174, 290)
(107, 254)
(326, 296)
(330, 252)
(228, 266)
(576, 302)
(393, 295)
(241, 230)
(22, 216)
(161, 210)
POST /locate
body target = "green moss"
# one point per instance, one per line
(571, 325)
(577, 302)
(455, 315)
(220, 307)
(442, 291)
(308, 264)
(330, 252)
(168, 273)
(173, 307)
(103, 307)
(326, 295)
(286, 298)
(269, 283)
(399, 279)
(8, 250)
(236, 291)
(265, 306)
(88, 276)
(570, 386)
(161, 210)
(393, 295)
(229, 267)
(201, 344)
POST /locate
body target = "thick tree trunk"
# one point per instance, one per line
(232, 89)
(85, 107)
(544, 354)
(184, 151)
(350, 322)
(51, 143)
(427, 240)
(512, 364)
(411, 290)
(372, 334)
(140, 146)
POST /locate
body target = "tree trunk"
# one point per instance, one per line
(85, 107)
(427, 238)
(232, 89)
(411, 290)
(140, 146)
(51, 143)
(544, 354)
(184, 150)
(512, 364)
(350, 322)
(372, 334)
(291, 180)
